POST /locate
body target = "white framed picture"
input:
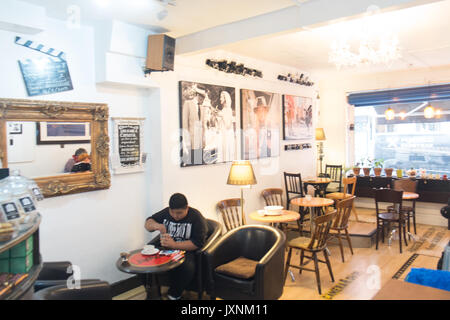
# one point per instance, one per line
(128, 155)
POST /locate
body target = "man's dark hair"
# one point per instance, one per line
(178, 201)
(80, 151)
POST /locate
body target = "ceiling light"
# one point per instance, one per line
(389, 114)
(102, 3)
(402, 115)
(428, 112)
(438, 113)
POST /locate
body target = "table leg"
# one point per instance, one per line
(152, 287)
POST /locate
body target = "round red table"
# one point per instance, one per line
(150, 266)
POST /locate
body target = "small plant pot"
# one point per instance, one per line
(367, 171)
(356, 171)
(388, 172)
(377, 171)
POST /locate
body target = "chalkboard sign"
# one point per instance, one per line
(45, 76)
(129, 144)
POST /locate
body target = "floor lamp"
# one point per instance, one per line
(320, 136)
(241, 174)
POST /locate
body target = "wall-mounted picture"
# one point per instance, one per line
(63, 132)
(297, 118)
(15, 128)
(260, 123)
(208, 124)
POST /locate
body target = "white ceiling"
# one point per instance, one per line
(423, 33)
(187, 16)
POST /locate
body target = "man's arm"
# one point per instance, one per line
(151, 225)
(168, 242)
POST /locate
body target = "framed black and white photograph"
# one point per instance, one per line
(63, 132)
(128, 155)
(208, 124)
(260, 124)
(15, 128)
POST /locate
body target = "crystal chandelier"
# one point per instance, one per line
(386, 52)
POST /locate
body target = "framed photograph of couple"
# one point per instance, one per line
(297, 118)
(260, 123)
(208, 123)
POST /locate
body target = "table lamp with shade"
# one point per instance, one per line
(320, 136)
(241, 174)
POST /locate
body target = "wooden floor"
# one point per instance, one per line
(363, 272)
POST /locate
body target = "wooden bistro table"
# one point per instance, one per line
(150, 265)
(320, 185)
(316, 204)
(284, 217)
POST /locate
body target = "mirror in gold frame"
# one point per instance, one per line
(15, 114)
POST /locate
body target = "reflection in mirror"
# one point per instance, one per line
(40, 149)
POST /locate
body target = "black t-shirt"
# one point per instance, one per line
(192, 227)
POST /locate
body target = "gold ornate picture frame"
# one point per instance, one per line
(36, 110)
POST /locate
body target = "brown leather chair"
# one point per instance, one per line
(93, 290)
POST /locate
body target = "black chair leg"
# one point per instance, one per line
(400, 236)
(302, 256)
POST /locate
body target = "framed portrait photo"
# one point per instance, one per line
(297, 118)
(208, 124)
(63, 132)
(260, 124)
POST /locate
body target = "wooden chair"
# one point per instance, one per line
(274, 197)
(394, 215)
(344, 208)
(294, 189)
(317, 243)
(334, 172)
(408, 185)
(347, 193)
(231, 213)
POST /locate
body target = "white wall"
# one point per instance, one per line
(91, 229)
(205, 185)
(336, 115)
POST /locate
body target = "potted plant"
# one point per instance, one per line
(367, 167)
(378, 167)
(388, 171)
(356, 169)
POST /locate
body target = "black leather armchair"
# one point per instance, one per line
(256, 242)
(199, 283)
(91, 290)
(56, 274)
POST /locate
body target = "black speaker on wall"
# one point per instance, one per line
(160, 53)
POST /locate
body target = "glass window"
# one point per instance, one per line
(409, 140)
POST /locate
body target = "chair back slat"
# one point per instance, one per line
(406, 185)
(393, 197)
(334, 172)
(273, 196)
(321, 231)
(349, 182)
(294, 187)
(230, 210)
(344, 209)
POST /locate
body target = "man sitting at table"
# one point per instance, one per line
(181, 228)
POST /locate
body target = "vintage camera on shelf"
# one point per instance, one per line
(304, 81)
(233, 67)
